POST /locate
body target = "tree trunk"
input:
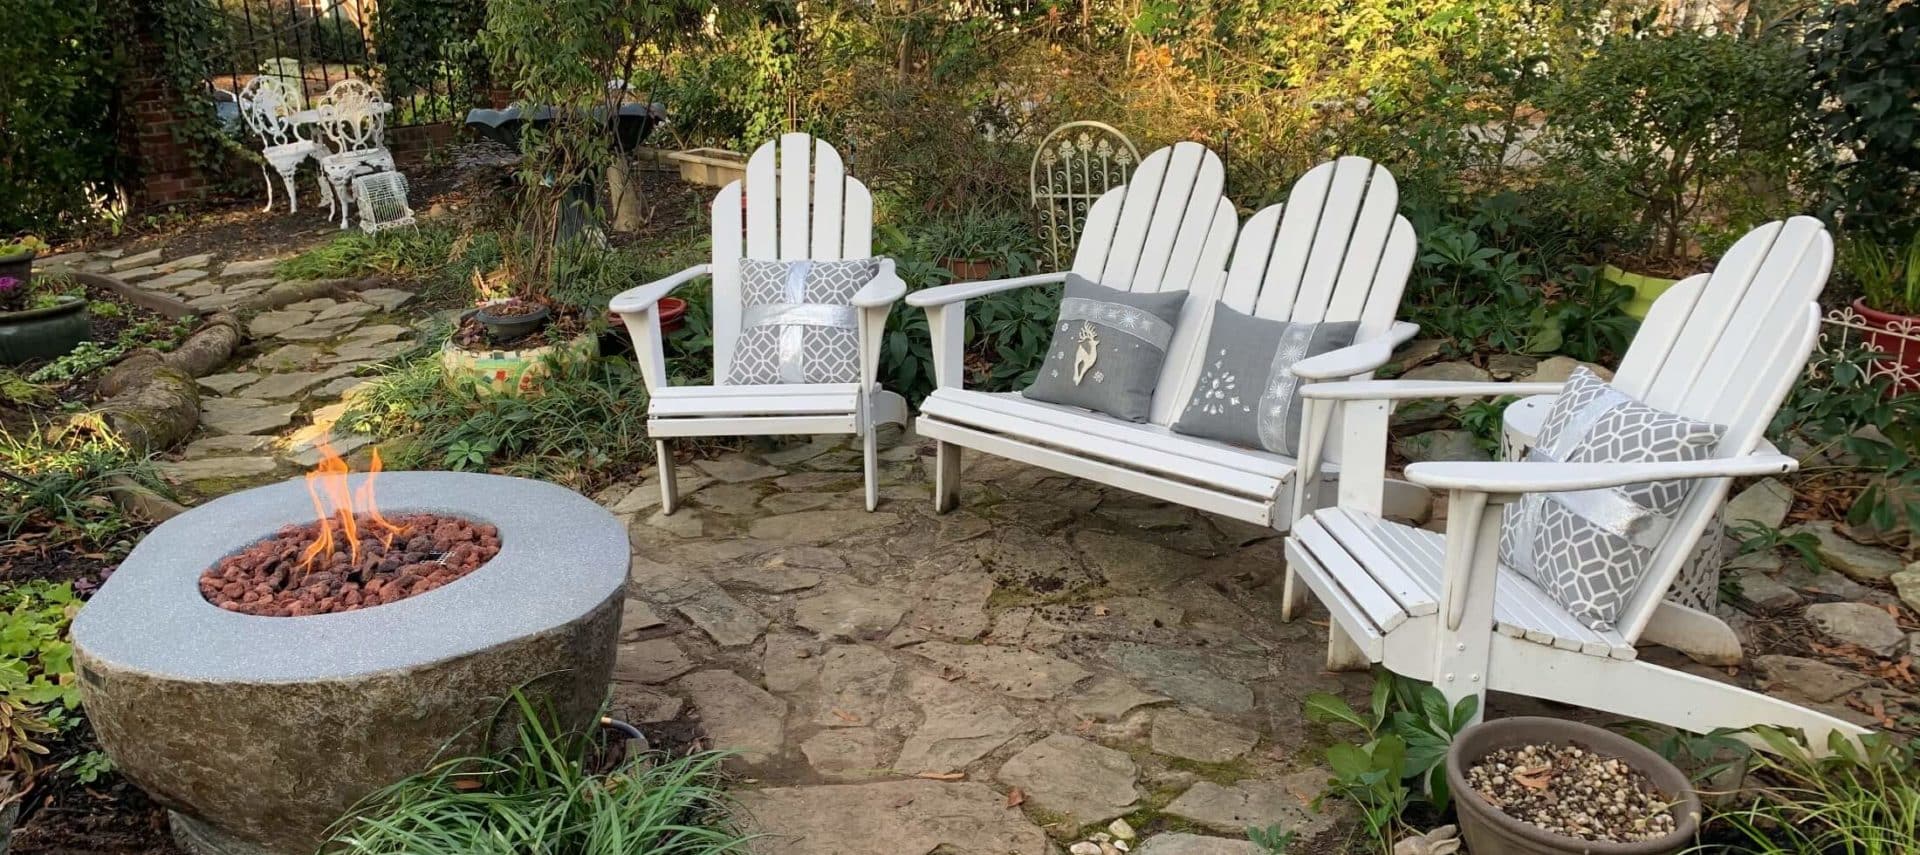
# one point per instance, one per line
(152, 400)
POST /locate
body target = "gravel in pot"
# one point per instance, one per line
(1529, 785)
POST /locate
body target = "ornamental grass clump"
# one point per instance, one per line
(544, 797)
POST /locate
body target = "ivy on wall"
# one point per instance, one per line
(187, 33)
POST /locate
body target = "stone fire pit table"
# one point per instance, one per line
(260, 732)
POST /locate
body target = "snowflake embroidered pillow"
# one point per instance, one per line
(798, 323)
(1589, 549)
(1107, 349)
(1247, 394)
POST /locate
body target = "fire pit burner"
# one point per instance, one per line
(307, 570)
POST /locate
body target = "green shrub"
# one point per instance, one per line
(587, 429)
(544, 798)
(1842, 411)
(56, 119)
(58, 489)
(1408, 726)
(1861, 799)
(1656, 127)
(1860, 56)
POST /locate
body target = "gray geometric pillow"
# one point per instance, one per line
(1589, 549)
(798, 323)
(1247, 394)
(1107, 349)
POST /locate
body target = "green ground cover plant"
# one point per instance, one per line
(544, 797)
(1407, 727)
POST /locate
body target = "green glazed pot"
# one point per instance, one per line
(46, 333)
(1646, 289)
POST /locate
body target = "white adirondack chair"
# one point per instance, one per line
(800, 204)
(1336, 251)
(1723, 348)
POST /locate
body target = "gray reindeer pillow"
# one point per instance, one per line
(1589, 549)
(798, 323)
(1107, 349)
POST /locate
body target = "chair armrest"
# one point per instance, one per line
(962, 291)
(1547, 477)
(1357, 358)
(885, 289)
(1401, 390)
(638, 299)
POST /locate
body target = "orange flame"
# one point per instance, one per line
(337, 507)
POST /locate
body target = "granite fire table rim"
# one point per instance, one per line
(560, 556)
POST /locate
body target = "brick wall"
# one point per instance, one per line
(167, 171)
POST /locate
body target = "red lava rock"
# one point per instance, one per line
(272, 577)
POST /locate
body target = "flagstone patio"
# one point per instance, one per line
(1048, 658)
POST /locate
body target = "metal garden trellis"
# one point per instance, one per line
(1075, 164)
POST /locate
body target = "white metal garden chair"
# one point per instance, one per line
(353, 120)
(1336, 251)
(1722, 348)
(800, 205)
(268, 105)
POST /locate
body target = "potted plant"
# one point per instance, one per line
(1889, 303)
(16, 257)
(39, 323)
(978, 242)
(1658, 124)
(1542, 786)
(21, 728)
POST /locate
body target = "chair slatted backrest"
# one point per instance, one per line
(1169, 228)
(800, 204)
(1726, 347)
(1336, 250)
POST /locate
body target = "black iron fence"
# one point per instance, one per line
(422, 54)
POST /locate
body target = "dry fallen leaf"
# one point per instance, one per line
(1534, 778)
(1100, 611)
(1015, 797)
(943, 776)
(845, 716)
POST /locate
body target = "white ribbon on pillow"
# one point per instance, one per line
(794, 316)
(1607, 508)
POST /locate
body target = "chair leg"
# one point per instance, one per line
(946, 476)
(669, 482)
(268, 175)
(870, 443)
(293, 193)
(326, 193)
(1293, 597)
(340, 194)
(1342, 653)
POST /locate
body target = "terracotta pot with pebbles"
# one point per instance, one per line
(1542, 786)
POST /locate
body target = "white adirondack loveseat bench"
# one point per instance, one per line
(1337, 250)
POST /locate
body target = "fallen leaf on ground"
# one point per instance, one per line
(1016, 798)
(943, 776)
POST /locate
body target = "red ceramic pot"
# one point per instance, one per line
(672, 309)
(1901, 341)
(967, 269)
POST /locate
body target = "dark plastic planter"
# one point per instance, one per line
(510, 327)
(46, 333)
(19, 266)
(1488, 831)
